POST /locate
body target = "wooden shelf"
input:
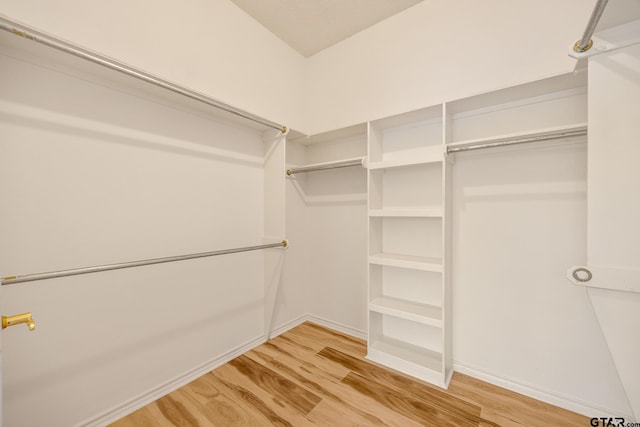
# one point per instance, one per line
(416, 312)
(387, 164)
(407, 212)
(407, 261)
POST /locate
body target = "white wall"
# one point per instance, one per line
(519, 222)
(437, 51)
(210, 46)
(94, 176)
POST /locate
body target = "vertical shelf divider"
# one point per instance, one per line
(447, 218)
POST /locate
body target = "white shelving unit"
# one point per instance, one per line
(408, 244)
(409, 208)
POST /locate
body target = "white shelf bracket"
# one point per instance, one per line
(604, 277)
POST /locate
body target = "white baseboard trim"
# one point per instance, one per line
(175, 383)
(347, 330)
(288, 325)
(570, 403)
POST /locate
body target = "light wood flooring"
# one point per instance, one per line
(313, 376)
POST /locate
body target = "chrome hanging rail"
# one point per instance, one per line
(325, 166)
(585, 43)
(36, 36)
(10, 280)
(578, 131)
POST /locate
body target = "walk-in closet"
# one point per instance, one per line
(243, 212)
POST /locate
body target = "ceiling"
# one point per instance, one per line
(310, 26)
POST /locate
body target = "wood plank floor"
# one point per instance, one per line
(313, 376)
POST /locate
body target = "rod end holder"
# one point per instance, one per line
(285, 130)
(7, 280)
(21, 33)
(289, 173)
(576, 46)
(285, 243)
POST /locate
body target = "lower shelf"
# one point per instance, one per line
(407, 261)
(421, 313)
(416, 361)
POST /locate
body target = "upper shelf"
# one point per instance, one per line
(394, 163)
(407, 261)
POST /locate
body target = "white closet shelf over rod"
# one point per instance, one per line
(358, 161)
(52, 42)
(10, 280)
(520, 138)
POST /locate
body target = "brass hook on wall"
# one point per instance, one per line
(19, 319)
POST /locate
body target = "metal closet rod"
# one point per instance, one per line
(36, 36)
(332, 165)
(516, 141)
(585, 42)
(10, 280)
